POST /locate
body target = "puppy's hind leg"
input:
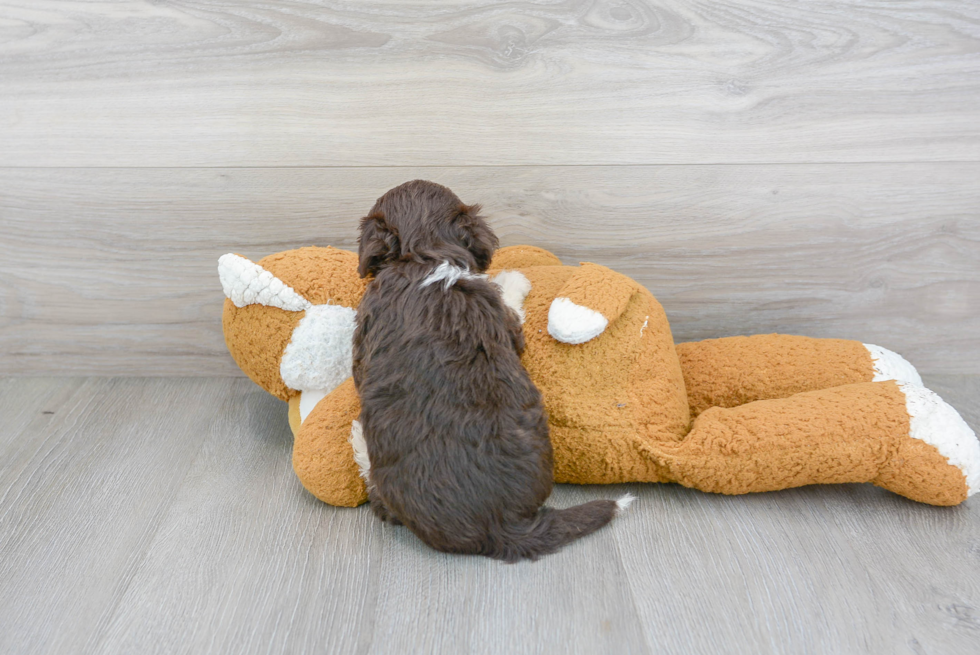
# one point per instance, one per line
(359, 445)
(380, 509)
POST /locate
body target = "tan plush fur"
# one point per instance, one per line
(769, 412)
(716, 370)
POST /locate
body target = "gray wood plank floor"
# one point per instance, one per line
(161, 516)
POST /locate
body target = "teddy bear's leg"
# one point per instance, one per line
(323, 456)
(903, 438)
(736, 370)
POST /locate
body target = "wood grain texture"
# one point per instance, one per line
(245, 561)
(182, 530)
(574, 601)
(288, 82)
(24, 401)
(113, 271)
(83, 491)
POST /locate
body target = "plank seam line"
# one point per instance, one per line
(538, 165)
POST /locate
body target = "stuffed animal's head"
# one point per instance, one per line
(289, 319)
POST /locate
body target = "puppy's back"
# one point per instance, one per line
(444, 395)
(457, 434)
(455, 431)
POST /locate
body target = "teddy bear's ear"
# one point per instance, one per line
(246, 283)
(377, 244)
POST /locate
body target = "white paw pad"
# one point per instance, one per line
(892, 366)
(934, 421)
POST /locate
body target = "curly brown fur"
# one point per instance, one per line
(455, 430)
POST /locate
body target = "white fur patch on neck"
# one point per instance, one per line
(320, 353)
(932, 420)
(451, 274)
(246, 283)
(514, 288)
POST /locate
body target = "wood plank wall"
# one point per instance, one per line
(811, 168)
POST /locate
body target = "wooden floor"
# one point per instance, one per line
(161, 515)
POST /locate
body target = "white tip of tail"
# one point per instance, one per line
(623, 503)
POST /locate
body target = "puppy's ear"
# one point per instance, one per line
(377, 244)
(476, 237)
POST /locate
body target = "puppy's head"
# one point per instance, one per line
(424, 221)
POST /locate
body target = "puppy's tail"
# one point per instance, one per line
(550, 529)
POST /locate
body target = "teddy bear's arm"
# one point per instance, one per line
(901, 437)
(591, 299)
(733, 371)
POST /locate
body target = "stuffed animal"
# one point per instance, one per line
(625, 404)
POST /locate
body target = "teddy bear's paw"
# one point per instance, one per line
(514, 288)
(574, 324)
(934, 421)
(938, 460)
(890, 365)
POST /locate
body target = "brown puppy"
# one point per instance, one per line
(455, 432)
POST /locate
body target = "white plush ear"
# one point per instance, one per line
(320, 352)
(246, 283)
(574, 324)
